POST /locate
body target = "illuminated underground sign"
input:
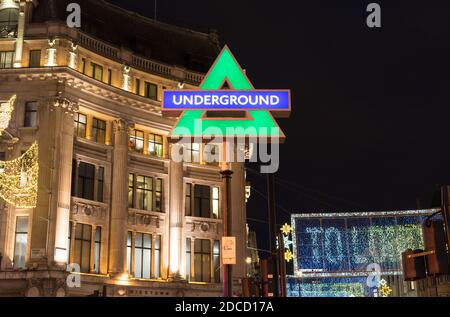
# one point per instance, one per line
(237, 111)
(179, 100)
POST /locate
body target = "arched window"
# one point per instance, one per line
(8, 22)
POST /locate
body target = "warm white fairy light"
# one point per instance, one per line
(6, 109)
(19, 179)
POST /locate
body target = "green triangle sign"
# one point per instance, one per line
(258, 123)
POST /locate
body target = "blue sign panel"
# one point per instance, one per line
(275, 100)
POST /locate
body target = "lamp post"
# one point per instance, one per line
(227, 223)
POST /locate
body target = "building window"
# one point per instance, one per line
(155, 145)
(30, 114)
(82, 246)
(8, 23)
(136, 141)
(2, 156)
(129, 249)
(20, 242)
(210, 154)
(6, 59)
(202, 201)
(131, 191)
(100, 183)
(144, 192)
(138, 86)
(151, 91)
(109, 76)
(86, 177)
(157, 257)
(215, 202)
(99, 130)
(142, 255)
(80, 121)
(97, 71)
(216, 254)
(188, 259)
(35, 59)
(97, 245)
(188, 199)
(202, 260)
(83, 65)
(158, 194)
(191, 152)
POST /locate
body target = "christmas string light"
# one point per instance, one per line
(19, 179)
(286, 230)
(6, 109)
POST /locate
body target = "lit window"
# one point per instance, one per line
(9, 23)
(142, 255)
(151, 91)
(129, 249)
(202, 260)
(30, 114)
(144, 192)
(216, 253)
(98, 130)
(82, 247)
(215, 202)
(158, 194)
(35, 59)
(97, 244)
(188, 259)
(155, 145)
(157, 256)
(191, 152)
(21, 239)
(136, 141)
(6, 59)
(131, 191)
(80, 121)
(97, 71)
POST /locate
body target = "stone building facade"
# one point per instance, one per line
(111, 203)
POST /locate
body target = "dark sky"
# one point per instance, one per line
(369, 128)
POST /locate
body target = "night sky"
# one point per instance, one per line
(369, 126)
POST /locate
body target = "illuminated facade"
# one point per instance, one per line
(353, 253)
(110, 202)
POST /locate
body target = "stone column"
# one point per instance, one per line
(47, 136)
(175, 218)
(72, 242)
(20, 36)
(64, 179)
(119, 200)
(133, 246)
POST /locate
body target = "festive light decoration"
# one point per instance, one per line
(286, 229)
(385, 291)
(6, 109)
(288, 256)
(19, 179)
(332, 251)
